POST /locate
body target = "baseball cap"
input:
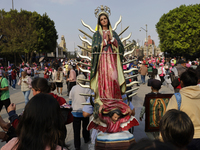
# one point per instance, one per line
(156, 84)
(80, 76)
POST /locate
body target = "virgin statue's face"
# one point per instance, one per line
(104, 21)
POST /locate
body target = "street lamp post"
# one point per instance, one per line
(146, 37)
(12, 5)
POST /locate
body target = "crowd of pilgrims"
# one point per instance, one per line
(42, 126)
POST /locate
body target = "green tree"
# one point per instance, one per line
(179, 30)
(47, 34)
(27, 32)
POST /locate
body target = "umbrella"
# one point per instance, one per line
(41, 59)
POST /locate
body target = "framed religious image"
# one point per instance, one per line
(155, 107)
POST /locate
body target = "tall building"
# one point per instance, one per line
(152, 49)
(60, 48)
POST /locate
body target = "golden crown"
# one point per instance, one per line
(102, 10)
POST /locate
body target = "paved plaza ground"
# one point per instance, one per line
(17, 97)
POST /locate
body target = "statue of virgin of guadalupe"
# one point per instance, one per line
(107, 78)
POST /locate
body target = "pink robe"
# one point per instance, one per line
(108, 85)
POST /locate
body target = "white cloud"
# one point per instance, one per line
(63, 1)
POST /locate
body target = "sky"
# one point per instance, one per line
(67, 15)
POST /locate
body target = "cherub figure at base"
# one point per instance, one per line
(113, 122)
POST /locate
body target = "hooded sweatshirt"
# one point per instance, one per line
(190, 104)
(60, 100)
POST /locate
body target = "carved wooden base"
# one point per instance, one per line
(114, 141)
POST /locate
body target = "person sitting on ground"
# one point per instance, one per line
(155, 87)
(189, 102)
(177, 128)
(41, 126)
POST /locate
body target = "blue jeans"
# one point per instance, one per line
(143, 78)
(14, 83)
(26, 95)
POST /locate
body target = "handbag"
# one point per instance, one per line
(176, 82)
(66, 113)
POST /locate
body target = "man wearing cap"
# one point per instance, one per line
(77, 112)
(4, 92)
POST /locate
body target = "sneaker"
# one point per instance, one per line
(91, 146)
(13, 88)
